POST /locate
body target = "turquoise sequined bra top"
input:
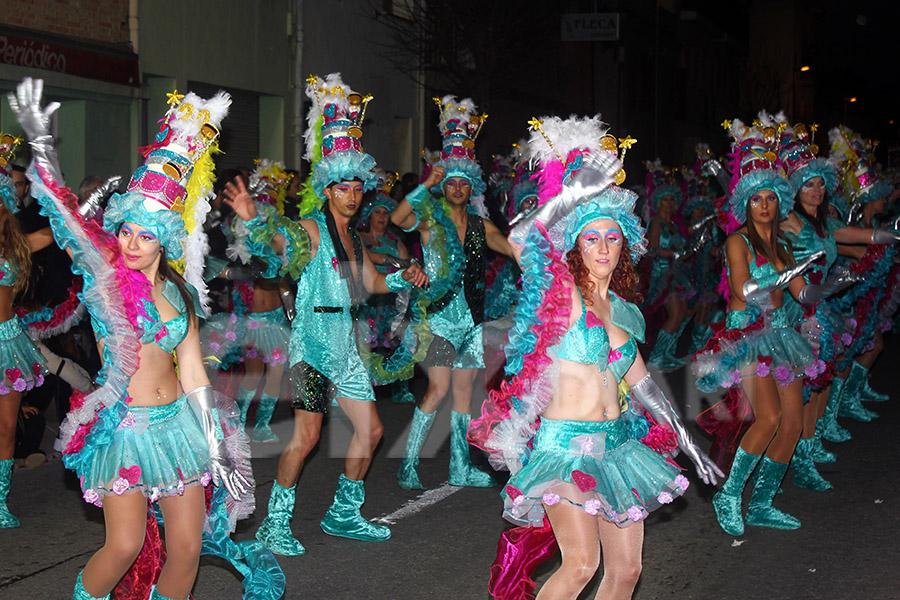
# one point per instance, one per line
(588, 343)
(738, 319)
(165, 334)
(8, 273)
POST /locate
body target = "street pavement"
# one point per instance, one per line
(444, 540)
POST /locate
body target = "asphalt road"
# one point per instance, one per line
(444, 540)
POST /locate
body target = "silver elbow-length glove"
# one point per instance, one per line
(885, 236)
(647, 394)
(596, 174)
(756, 291)
(838, 280)
(26, 104)
(223, 471)
(91, 205)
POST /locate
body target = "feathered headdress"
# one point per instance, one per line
(8, 145)
(755, 165)
(797, 152)
(334, 138)
(853, 158)
(661, 182)
(460, 125)
(170, 193)
(269, 182)
(382, 196)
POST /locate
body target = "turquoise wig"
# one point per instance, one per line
(754, 181)
(613, 203)
(165, 224)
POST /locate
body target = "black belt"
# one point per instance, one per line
(328, 309)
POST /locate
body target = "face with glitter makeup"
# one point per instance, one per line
(140, 246)
(812, 193)
(344, 197)
(762, 207)
(457, 190)
(601, 244)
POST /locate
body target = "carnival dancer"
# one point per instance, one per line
(389, 254)
(150, 433)
(560, 424)
(447, 210)
(809, 229)
(852, 157)
(669, 287)
(699, 214)
(325, 364)
(266, 335)
(758, 349)
(20, 360)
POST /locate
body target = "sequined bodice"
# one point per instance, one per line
(587, 342)
(808, 242)
(8, 273)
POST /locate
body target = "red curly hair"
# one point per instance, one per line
(624, 281)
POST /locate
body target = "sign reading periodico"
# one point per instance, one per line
(589, 27)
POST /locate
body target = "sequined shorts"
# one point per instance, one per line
(467, 353)
(313, 391)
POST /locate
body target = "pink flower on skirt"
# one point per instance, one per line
(205, 479)
(682, 482)
(155, 494)
(214, 346)
(231, 336)
(846, 339)
(90, 496)
(120, 486)
(664, 498)
(550, 499)
(783, 375)
(592, 506)
(180, 488)
(735, 378)
(251, 353)
(635, 513)
(253, 324)
(762, 369)
(19, 385)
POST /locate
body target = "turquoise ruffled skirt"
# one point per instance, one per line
(22, 364)
(157, 451)
(268, 336)
(594, 466)
(748, 347)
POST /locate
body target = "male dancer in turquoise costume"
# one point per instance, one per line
(337, 273)
(458, 263)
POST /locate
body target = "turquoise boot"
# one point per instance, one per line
(866, 393)
(817, 450)
(805, 473)
(760, 512)
(261, 431)
(154, 595)
(243, 399)
(408, 475)
(831, 430)
(81, 593)
(6, 519)
(700, 334)
(275, 530)
(727, 501)
(343, 518)
(462, 471)
(400, 392)
(851, 406)
(663, 355)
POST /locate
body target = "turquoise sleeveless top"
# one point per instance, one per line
(8, 273)
(738, 319)
(588, 343)
(385, 244)
(808, 242)
(324, 329)
(165, 334)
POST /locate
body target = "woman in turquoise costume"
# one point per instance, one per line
(20, 361)
(759, 351)
(150, 437)
(388, 253)
(264, 330)
(669, 288)
(863, 305)
(561, 423)
(809, 229)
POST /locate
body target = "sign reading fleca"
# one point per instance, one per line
(589, 27)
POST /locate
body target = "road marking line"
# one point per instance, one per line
(416, 505)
